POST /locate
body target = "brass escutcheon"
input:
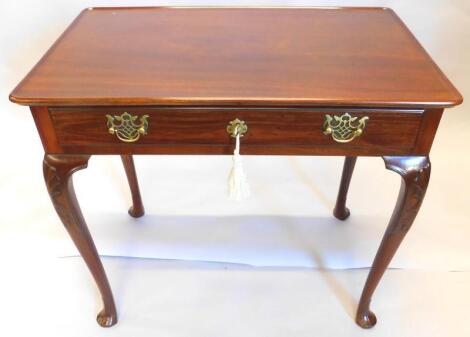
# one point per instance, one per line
(344, 128)
(237, 127)
(125, 128)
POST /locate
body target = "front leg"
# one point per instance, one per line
(58, 170)
(415, 173)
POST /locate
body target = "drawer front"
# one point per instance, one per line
(384, 131)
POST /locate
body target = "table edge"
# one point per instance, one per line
(14, 97)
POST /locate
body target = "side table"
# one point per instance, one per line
(292, 81)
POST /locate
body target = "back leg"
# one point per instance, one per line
(137, 208)
(340, 211)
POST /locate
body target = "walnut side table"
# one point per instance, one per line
(307, 81)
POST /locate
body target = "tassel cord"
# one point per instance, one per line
(237, 182)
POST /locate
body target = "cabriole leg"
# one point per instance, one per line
(340, 211)
(415, 173)
(58, 170)
(137, 208)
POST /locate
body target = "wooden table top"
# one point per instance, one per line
(237, 56)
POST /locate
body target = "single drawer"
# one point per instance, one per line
(367, 130)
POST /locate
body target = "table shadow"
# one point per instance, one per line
(288, 238)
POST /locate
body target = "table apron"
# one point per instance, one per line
(203, 130)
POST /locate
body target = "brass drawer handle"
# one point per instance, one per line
(126, 129)
(344, 128)
(237, 127)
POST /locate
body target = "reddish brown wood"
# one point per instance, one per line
(430, 121)
(46, 130)
(194, 70)
(340, 211)
(207, 149)
(137, 208)
(58, 172)
(237, 56)
(389, 132)
(415, 172)
(85, 130)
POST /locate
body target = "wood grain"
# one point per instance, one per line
(415, 173)
(392, 132)
(237, 56)
(194, 70)
(58, 171)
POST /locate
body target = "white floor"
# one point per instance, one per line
(268, 255)
(171, 298)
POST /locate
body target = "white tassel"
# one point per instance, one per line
(237, 183)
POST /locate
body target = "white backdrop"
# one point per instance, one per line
(286, 222)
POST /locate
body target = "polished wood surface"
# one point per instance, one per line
(58, 172)
(340, 211)
(203, 131)
(415, 172)
(137, 208)
(192, 71)
(237, 56)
